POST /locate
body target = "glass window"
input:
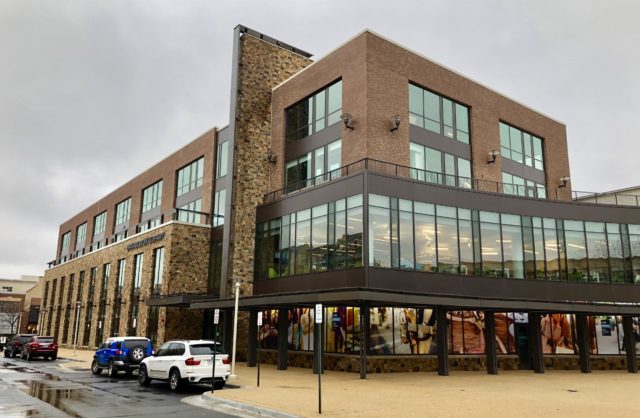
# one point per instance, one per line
(616, 258)
(354, 232)
(222, 159)
(219, 207)
(137, 271)
(597, 250)
(417, 161)
(158, 269)
(123, 211)
(99, 223)
(425, 235)
(121, 270)
(301, 120)
(521, 147)
(465, 239)
(491, 244)
(190, 177)
(433, 166)
(64, 247)
(152, 196)
(81, 234)
(447, 236)
(334, 156)
(438, 114)
(405, 226)
(379, 237)
(551, 248)
(190, 212)
(319, 227)
(512, 246)
(575, 240)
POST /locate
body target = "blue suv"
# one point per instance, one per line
(121, 353)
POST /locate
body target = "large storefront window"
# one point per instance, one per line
(435, 238)
(324, 238)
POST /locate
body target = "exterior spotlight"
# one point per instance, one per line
(563, 181)
(271, 158)
(346, 118)
(493, 154)
(396, 123)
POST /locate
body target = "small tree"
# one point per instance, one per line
(10, 313)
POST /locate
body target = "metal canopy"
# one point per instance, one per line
(373, 297)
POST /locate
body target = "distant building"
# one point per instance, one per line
(622, 197)
(26, 292)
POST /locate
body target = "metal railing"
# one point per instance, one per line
(618, 199)
(397, 170)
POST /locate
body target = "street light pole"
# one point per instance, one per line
(75, 338)
(235, 332)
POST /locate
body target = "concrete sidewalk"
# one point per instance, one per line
(81, 360)
(462, 394)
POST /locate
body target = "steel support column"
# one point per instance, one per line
(443, 341)
(490, 339)
(629, 344)
(584, 348)
(364, 339)
(283, 344)
(535, 343)
(253, 339)
(318, 330)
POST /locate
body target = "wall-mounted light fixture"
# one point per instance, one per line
(563, 181)
(396, 123)
(493, 154)
(271, 158)
(346, 118)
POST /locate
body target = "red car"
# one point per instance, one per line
(38, 346)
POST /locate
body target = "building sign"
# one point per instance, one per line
(146, 241)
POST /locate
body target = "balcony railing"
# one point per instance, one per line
(397, 170)
(618, 199)
(175, 214)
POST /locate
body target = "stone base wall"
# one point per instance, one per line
(399, 364)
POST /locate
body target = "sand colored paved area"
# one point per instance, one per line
(81, 360)
(462, 394)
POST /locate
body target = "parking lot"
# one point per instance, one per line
(66, 387)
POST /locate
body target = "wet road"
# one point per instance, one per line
(41, 388)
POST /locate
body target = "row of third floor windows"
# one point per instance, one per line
(427, 110)
(188, 178)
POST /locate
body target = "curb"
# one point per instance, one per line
(245, 407)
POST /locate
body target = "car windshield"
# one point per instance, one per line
(47, 340)
(202, 349)
(133, 343)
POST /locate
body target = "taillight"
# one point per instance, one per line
(33, 345)
(118, 352)
(226, 361)
(191, 362)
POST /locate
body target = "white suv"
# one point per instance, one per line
(185, 361)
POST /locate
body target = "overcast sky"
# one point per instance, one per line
(94, 92)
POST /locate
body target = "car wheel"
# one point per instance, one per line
(111, 371)
(143, 376)
(95, 368)
(6, 353)
(55, 356)
(175, 382)
(137, 354)
(219, 385)
(13, 354)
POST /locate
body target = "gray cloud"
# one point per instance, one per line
(92, 93)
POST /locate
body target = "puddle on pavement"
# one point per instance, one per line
(53, 396)
(20, 414)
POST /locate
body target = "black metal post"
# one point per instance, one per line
(629, 344)
(227, 331)
(583, 343)
(253, 338)
(490, 342)
(319, 349)
(215, 349)
(364, 341)
(283, 344)
(258, 360)
(443, 341)
(535, 343)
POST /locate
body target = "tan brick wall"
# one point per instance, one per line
(262, 67)
(186, 261)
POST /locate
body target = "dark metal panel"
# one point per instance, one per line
(526, 172)
(311, 282)
(439, 142)
(305, 199)
(501, 288)
(283, 345)
(535, 343)
(295, 149)
(253, 339)
(630, 344)
(470, 199)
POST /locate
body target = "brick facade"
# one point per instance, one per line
(186, 264)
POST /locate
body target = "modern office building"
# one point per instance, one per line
(430, 215)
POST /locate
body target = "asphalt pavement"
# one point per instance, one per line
(41, 388)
